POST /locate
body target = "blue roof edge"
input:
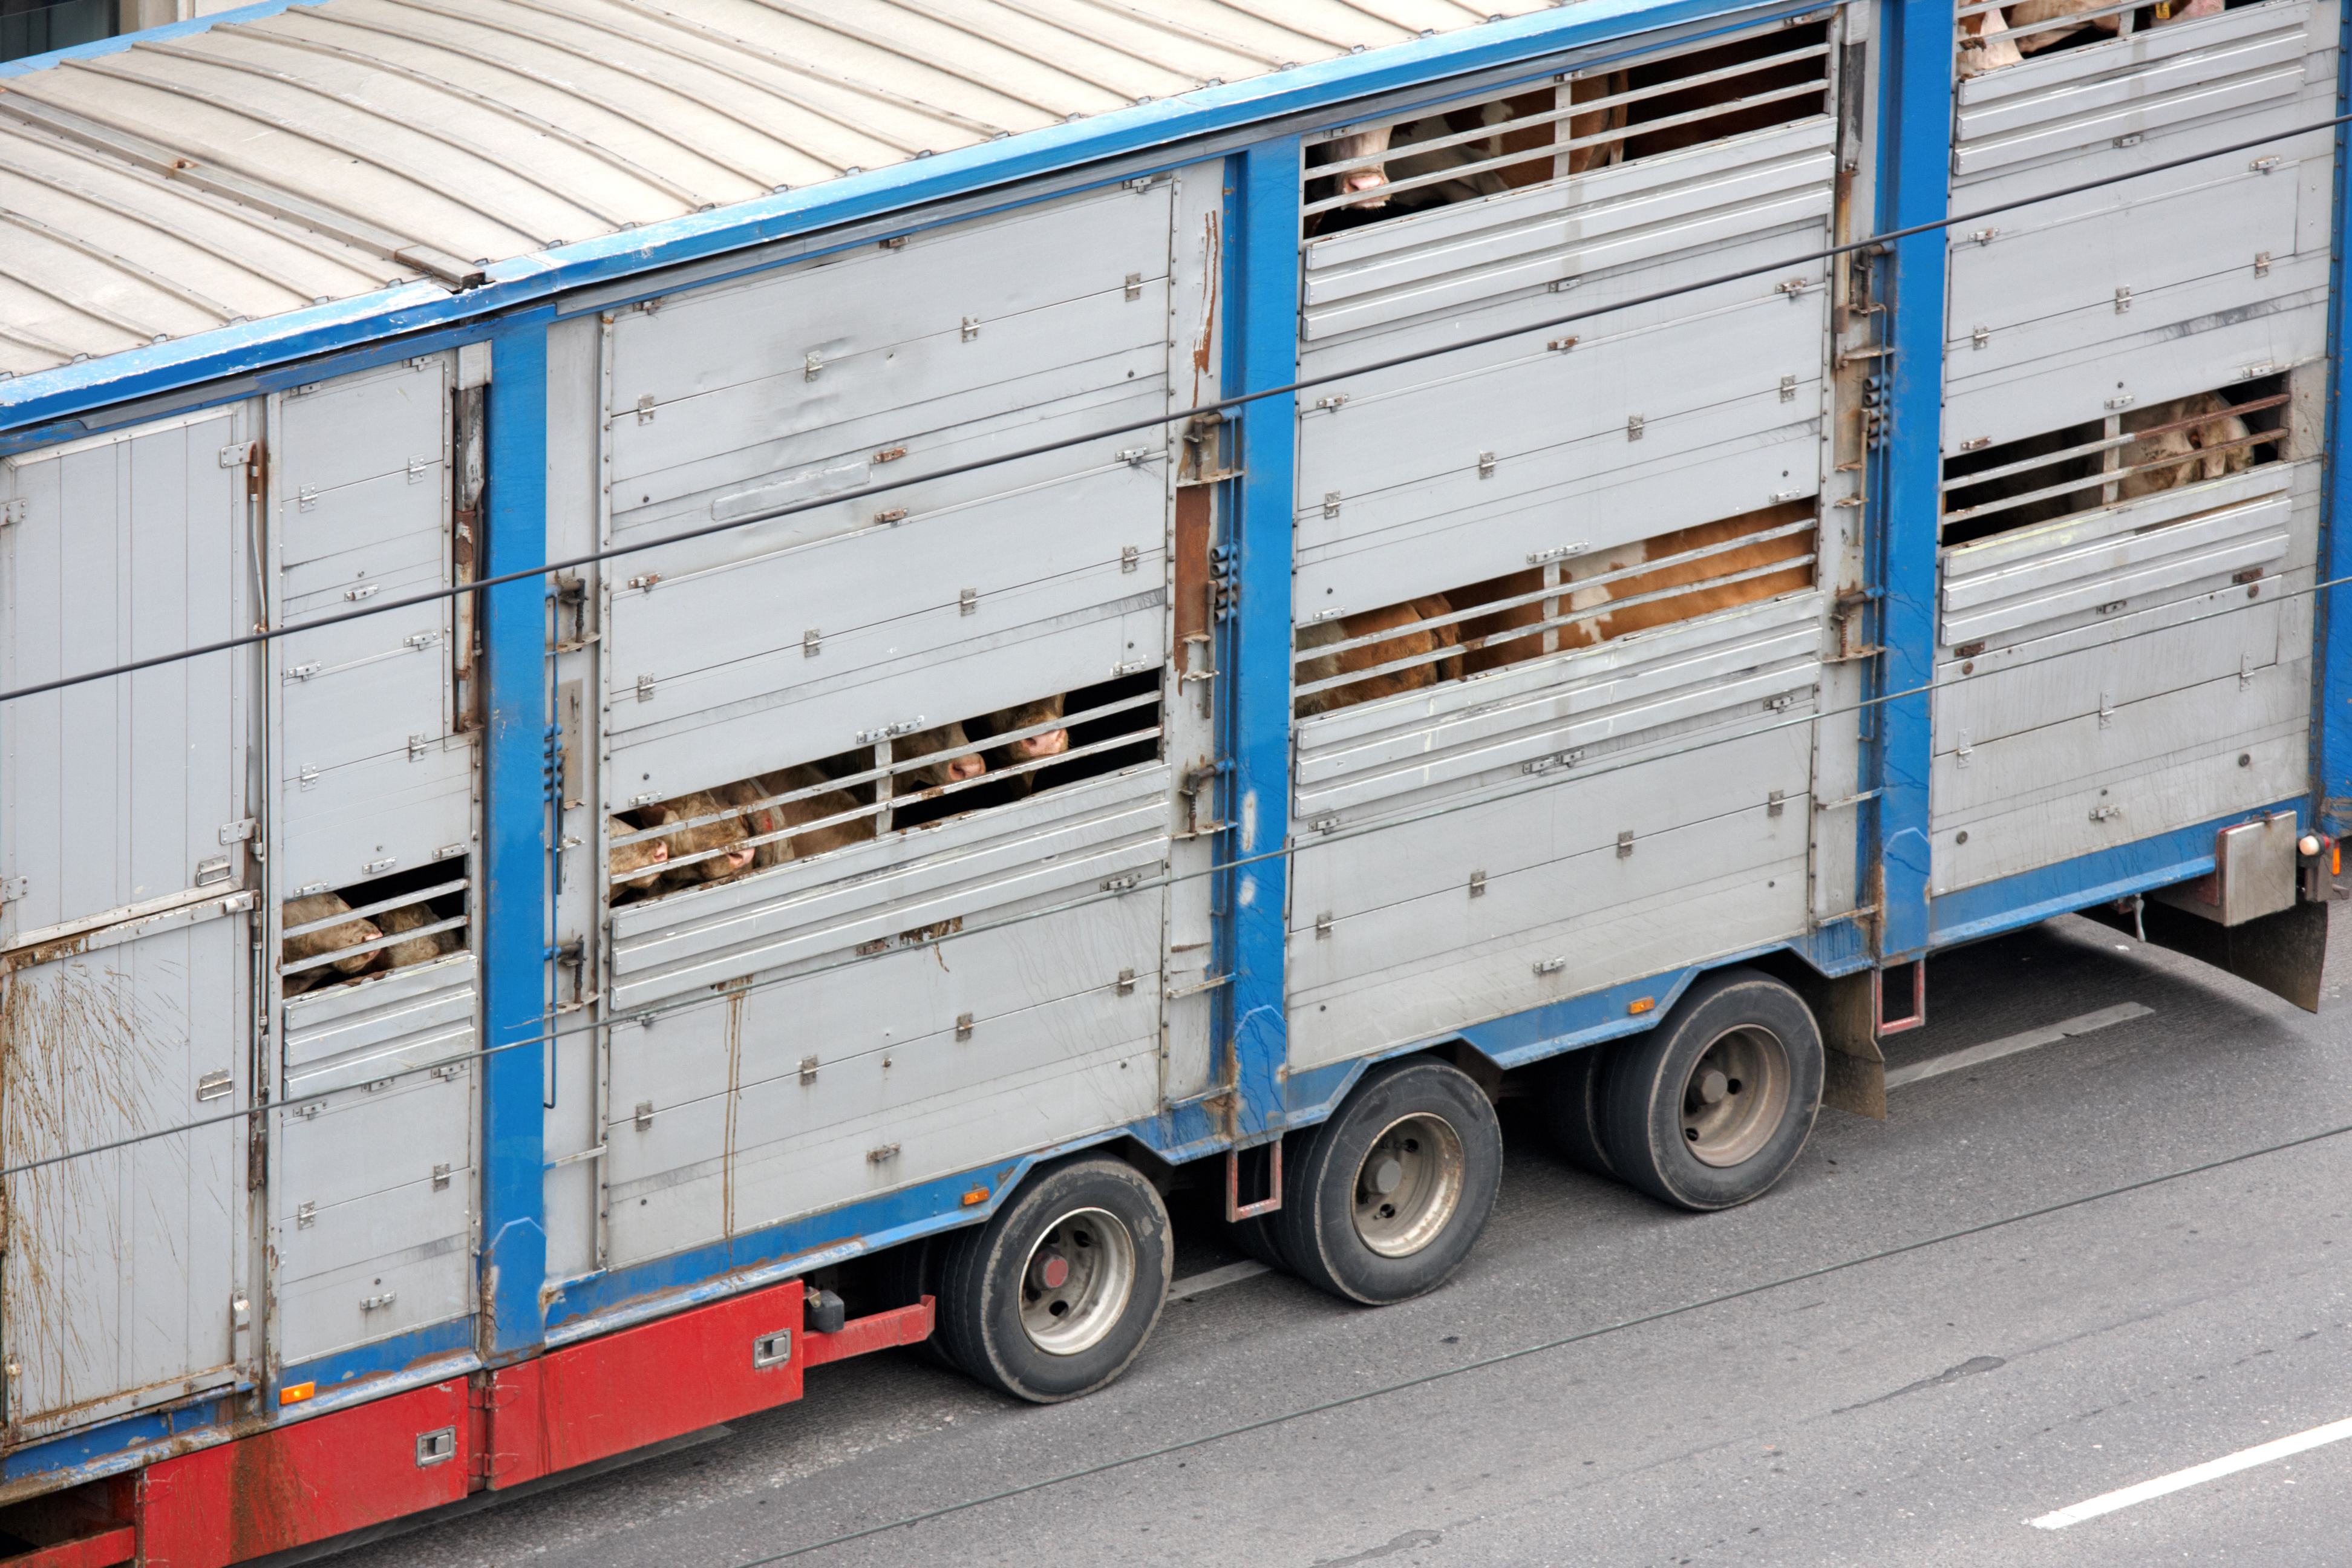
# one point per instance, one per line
(57, 396)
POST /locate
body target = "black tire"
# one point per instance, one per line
(1702, 1144)
(988, 1286)
(1569, 1090)
(1333, 1215)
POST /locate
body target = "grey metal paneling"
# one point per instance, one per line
(369, 1248)
(816, 1016)
(1494, 728)
(384, 1026)
(372, 776)
(122, 1268)
(2100, 780)
(2173, 282)
(123, 791)
(1608, 217)
(2007, 586)
(2127, 671)
(2069, 100)
(1525, 779)
(1715, 866)
(783, 1097)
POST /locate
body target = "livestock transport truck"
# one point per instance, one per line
(688, 689)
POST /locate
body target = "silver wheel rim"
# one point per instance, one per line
(1076, 1281)
(1736, 1096)
(1408, 1185)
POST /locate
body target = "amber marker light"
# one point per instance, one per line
(1641, 1005)
(296, 1393)
(975, 1197)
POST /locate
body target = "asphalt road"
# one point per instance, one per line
(1879, 1363)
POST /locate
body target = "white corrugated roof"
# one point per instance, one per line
(251, 168)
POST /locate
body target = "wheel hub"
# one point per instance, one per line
(1077, 1282)
(1408, 1185)
(1736, 1096)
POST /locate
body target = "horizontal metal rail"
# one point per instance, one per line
(398, 902)
(1566, 587)
(2107, 443)
(1537, 628)
(2099, 481)
(298, 965)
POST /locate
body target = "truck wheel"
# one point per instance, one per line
(1387, 1198)
(1569, 1088)
(1712, 1106)
(1055, 1294)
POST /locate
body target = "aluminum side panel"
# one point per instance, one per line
(116, 792)
(120, 1267)
(370, 1236)
(1387, 977)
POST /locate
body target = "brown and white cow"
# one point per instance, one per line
(416, 949)
(2029, 12)
(764, 820)
(2192, 445)
(1413, 639)
(1035, 748)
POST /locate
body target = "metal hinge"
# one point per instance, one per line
(1550, 966)
(1330, 503)
(302, 671)
(2260, 165)
(877, 1156)
(2103, 812)
(440, 1177)
(1486, 465)
(1788, 389)
(307, 778)
(970, 328)
(812, 643)
(1126, 884)
(416, 467)
(2123, 300)
(14, 510)
(1126, 982)
(306, 1216)
(645, 689)
(968, 602)
(377, 1303)
(419, 746)
(964, 1027)
(239, 831)
(1981, 337)
(1323, 926)
(305, 499)
(1625, 844)
(1634, 426)
(812, 365)
(2262, 263)
(237, 454)
(645, 1115)
(1130, 558)
(1134, 286)
(808, 1069)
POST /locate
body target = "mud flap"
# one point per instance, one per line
(2281, 953)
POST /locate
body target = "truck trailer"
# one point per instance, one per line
(688, 689)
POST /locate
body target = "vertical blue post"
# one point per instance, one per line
(2331, 781)
(514, 851)
(1265, 313)
(1915, 125)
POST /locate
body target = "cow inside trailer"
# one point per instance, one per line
(991, 645)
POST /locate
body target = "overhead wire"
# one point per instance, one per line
(648, 1016)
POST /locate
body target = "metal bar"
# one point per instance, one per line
(399, 901)
(1545, 117)
(1516, 633)
(1572, 586)
(2109, 476)
(2044, 461)
(846, 780)
(1464, 171)
(1191, 34)
(881, 808)
(131, 214)
(373, 945)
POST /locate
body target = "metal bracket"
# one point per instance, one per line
(1237, 1210)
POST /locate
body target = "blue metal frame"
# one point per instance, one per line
(1915, 175)
(1265, 325)
(514, 832)
(2331, 751)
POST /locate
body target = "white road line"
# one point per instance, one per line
(1231, 1274)
(2246, 1460)
(2009, 1045)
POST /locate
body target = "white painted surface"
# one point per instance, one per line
(2196, 1475)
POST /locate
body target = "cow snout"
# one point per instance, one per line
(1052, 743)
(742, 856)
(966, 767)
